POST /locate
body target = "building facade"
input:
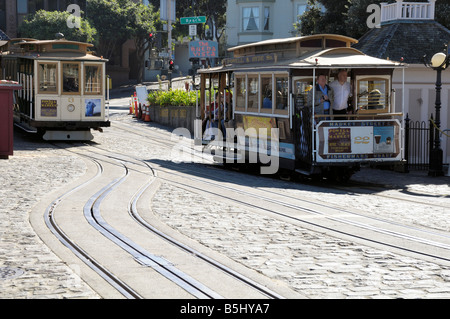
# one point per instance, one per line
(12, 12)
(251, 21)
(409, 32)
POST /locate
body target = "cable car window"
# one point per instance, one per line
(71, 78)
(253, 93)
(240, 92)
(373, 95)
(93, 79)
(266, 93)
(282, 91)
(301, 88)
(47, 78)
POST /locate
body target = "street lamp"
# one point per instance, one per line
(439, 62)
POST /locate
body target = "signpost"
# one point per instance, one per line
(192, 30)
(193, 20)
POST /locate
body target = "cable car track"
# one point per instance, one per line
(354, 187)
(93, 215)
(401, 234)
(281, 202)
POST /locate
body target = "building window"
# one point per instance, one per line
(35, 5)
(266, 19)
(22, 6)
(250, 19)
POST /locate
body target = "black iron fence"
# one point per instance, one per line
(417, 144)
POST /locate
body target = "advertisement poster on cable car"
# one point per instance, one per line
(357, 140)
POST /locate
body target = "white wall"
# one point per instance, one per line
(420, 97)
(283, 15)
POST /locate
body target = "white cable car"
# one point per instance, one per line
(271, 119)
(63, 87)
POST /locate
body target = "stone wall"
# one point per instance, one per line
(174, 116)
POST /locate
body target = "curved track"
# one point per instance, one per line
(145, 173)
(421, 241)
(236, 283)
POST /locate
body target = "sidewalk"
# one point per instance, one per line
(415, 181)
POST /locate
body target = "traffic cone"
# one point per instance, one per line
(147, 113)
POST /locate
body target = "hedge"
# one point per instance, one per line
(178, 97)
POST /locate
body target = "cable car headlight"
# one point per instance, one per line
(70, 107)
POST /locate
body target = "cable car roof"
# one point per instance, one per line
(60, 49)
(343, 57)
(349, 41)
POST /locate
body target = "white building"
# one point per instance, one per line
(408, 30)
(251, 21)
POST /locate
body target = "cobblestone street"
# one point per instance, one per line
(315, 264)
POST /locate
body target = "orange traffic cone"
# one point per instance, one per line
(147, 113)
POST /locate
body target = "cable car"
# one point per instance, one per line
(63, 87)
(257, 108)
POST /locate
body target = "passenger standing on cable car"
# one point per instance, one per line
(324, 96)
(342, 91)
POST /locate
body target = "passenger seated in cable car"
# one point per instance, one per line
(267, 101)
(374, 100)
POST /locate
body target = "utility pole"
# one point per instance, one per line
(169, 26)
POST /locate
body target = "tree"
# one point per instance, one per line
(311, 20)
(45, 24)
(111, 20)
(213, 10)
(141, 23)
(349, 17)
(324, 16)
(120, 20)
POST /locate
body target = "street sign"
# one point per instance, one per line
(193, 20)
(192, 30)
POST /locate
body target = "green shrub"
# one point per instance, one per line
(172, 98)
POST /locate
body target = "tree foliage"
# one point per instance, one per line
(45, 24)
(213, 10)
(110, 19)
(349, 17)
(120, 20)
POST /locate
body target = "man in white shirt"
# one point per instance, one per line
(342, 91)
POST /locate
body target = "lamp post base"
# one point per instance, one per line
(436, 167)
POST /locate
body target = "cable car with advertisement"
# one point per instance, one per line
(257, 108)
(63, 87)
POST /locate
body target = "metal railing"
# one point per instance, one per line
(408, 10)
(417, 144)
